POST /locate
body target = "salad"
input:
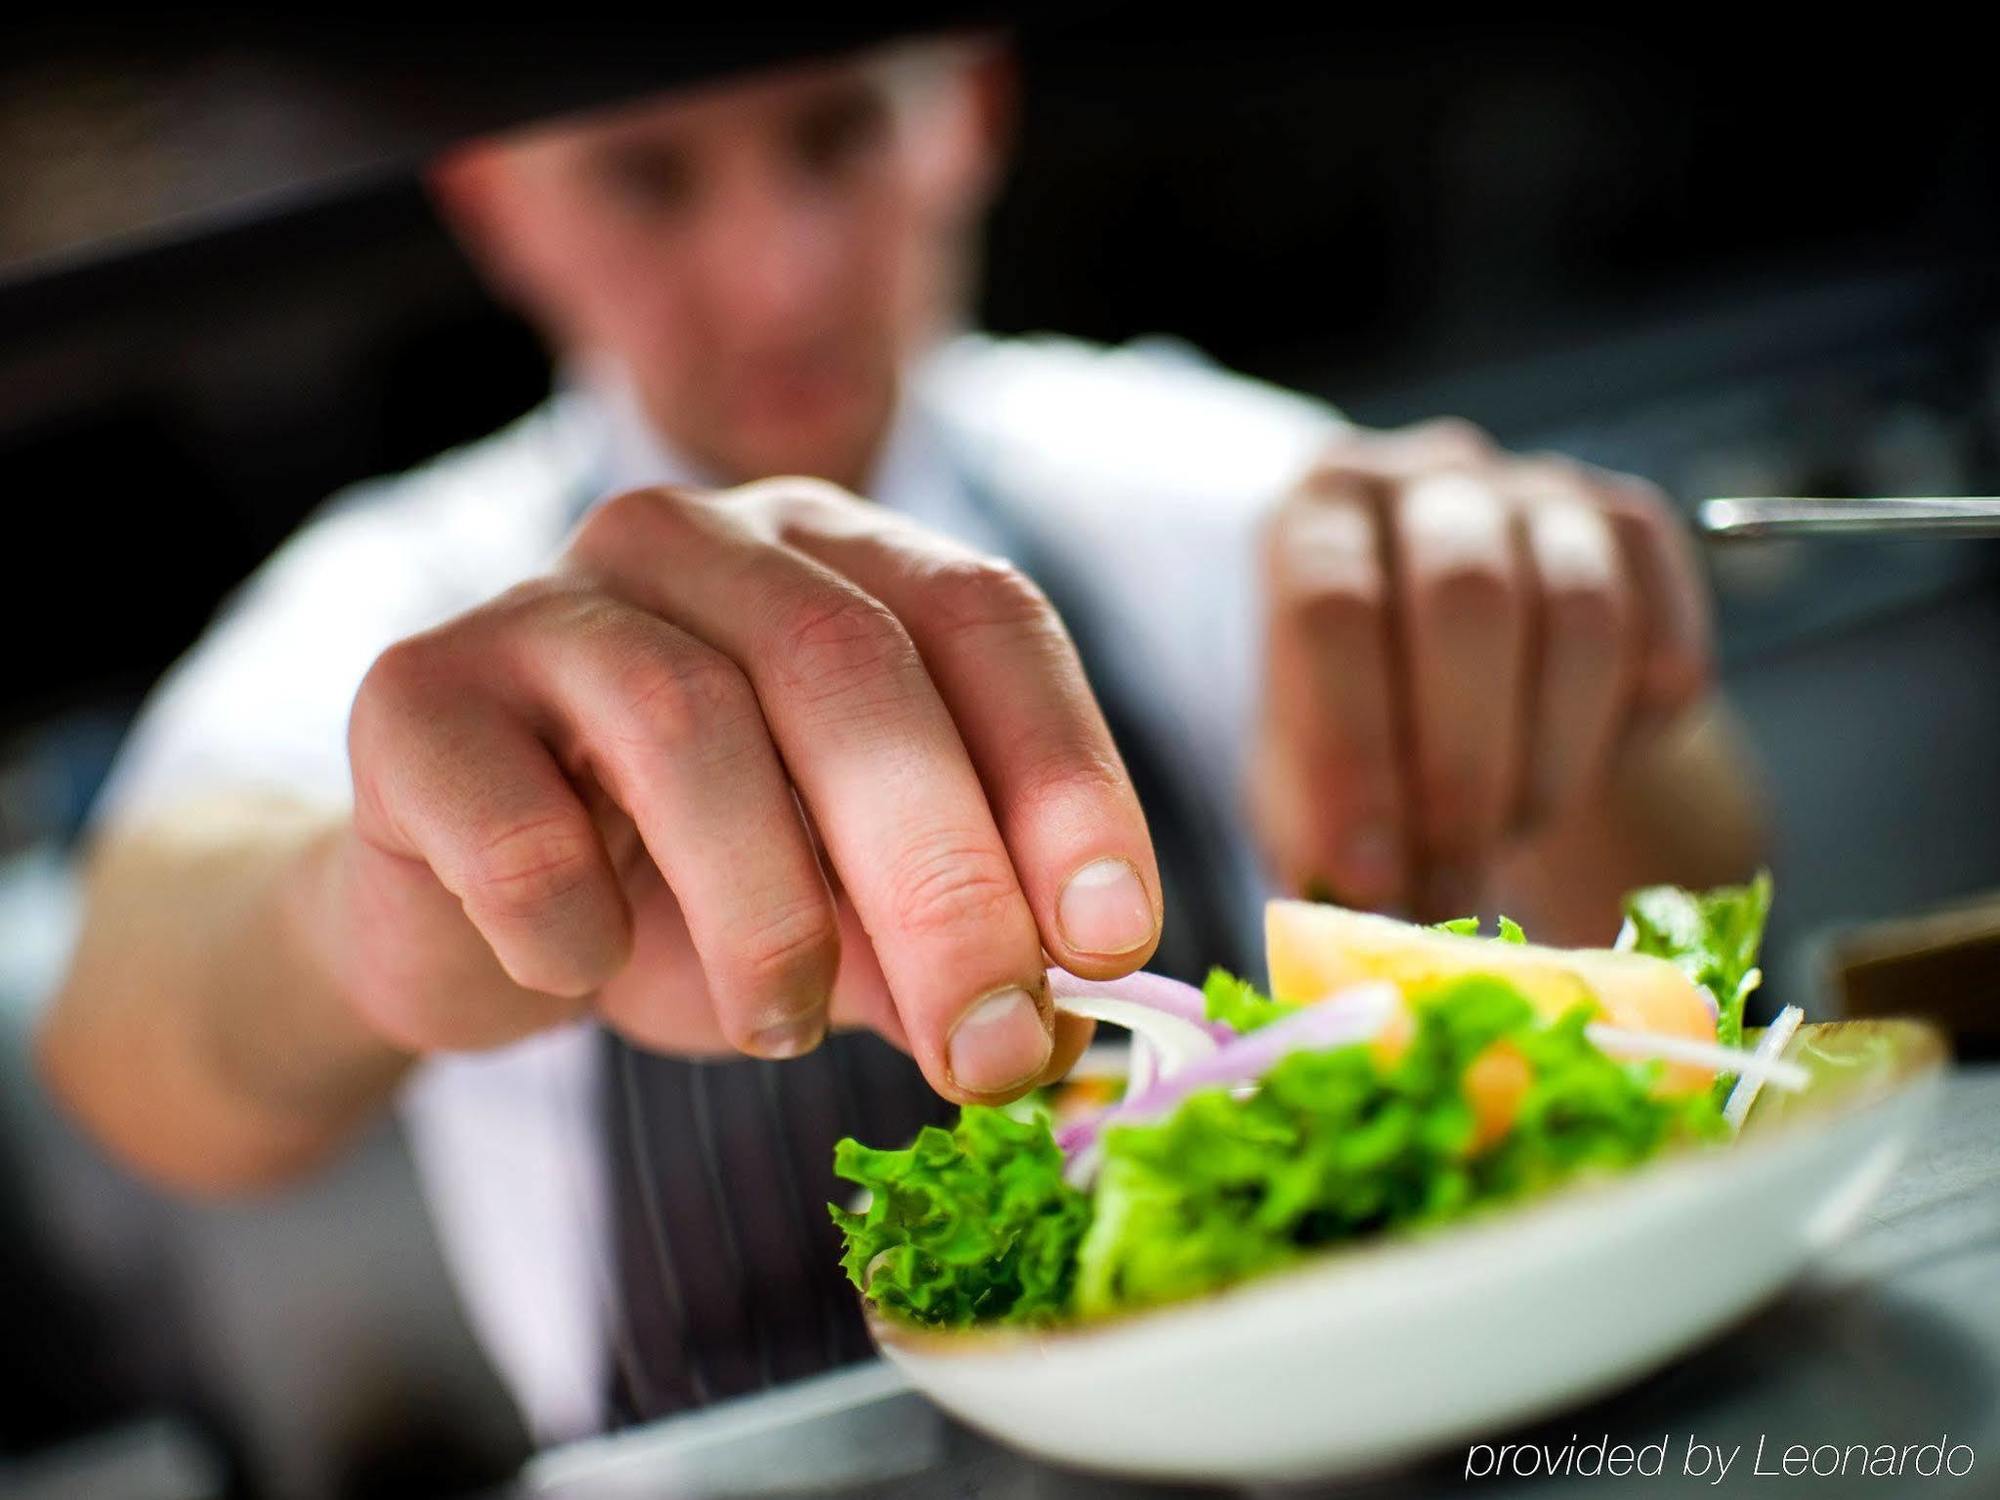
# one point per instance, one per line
(1395, 1078)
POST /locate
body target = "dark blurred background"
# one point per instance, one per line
(1734, 269)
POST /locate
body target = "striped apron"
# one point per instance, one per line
(726, 1264)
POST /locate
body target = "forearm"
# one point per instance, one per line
(200, 1034)
(1685, 810)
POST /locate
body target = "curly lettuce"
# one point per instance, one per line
(976, 1225)
(969, 1225)
(1336, 1146)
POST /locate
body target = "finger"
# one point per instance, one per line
(1331, 793)
(1009, 674)
(861, 998)
(1430, 447)
(662, 1001)
(880, 766)
(1464, 622)
(861, 995)
(1073, 1036)
(1673, 611)
(672, 730)
(450, 782)
(1583, 677)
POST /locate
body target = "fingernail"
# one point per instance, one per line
(1105, 909)
(788, 1039)
(998, 1045)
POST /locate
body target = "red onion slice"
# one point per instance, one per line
(1353, 1015)
(1176, 1049)
(1143, 1070)
(1174, 1004)
(1169, 1042)
(1154, 991)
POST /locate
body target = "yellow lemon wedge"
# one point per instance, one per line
(1315, 950)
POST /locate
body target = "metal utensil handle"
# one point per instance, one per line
(1773, 516)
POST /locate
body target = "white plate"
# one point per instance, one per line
(1367, 1356)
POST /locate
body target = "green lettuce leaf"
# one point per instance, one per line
(1240, 1004)
(1510, 930)
(975, 1225)
(969, 1225)
(1712, 935)
(1334, 1146)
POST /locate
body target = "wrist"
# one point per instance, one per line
(356, 1059)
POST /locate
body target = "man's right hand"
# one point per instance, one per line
(743, 766)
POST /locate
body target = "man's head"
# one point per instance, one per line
(758, 257)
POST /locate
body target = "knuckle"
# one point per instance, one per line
(797, 508)
(1058, 769)
(833, 640)
(949, 884)
(616, 523)
(1454, 440)
(400, 670)
(797, 938)
(674, 697)
(1556, 471)
(524, 867)
(973, 595)
(660, 687)
(1333, 476)
(1450, 516)
(399, 683)
(635, 520)
(1642, 496)
(1643, 514)
(1571, 544)
(1331, 547)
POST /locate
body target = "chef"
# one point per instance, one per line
(639, 819)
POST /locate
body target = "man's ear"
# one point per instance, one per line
(996, 86)
(993, 82)
(967, 142)
(464, 187)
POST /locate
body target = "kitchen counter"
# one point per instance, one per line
(1895, 1338)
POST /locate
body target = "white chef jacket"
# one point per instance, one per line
(1143, 470)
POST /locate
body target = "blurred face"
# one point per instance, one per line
(759, 257)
